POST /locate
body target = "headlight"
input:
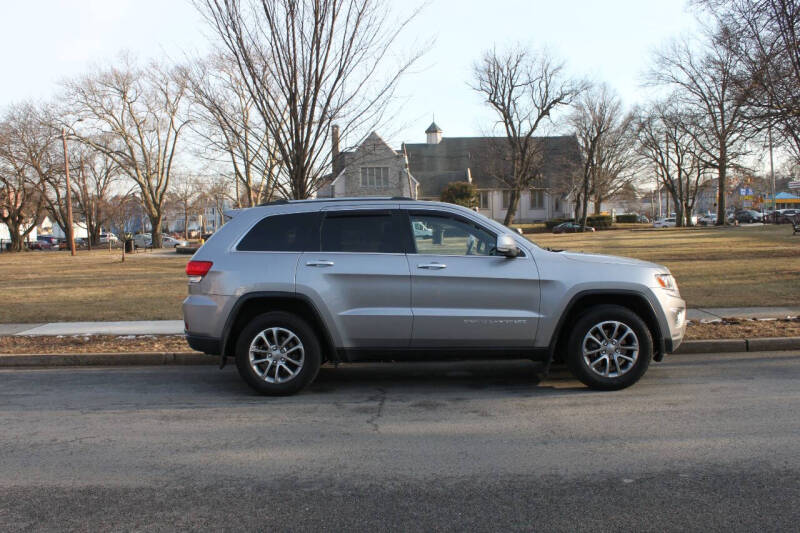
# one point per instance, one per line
(666, 281)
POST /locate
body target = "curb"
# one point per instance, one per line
(766, 344)
(107, 359)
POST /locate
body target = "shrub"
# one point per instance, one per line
(460, 193)
(628, 218)
(599, 221)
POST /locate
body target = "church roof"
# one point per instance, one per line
(433, 128)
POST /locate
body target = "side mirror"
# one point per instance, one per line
(507, 246)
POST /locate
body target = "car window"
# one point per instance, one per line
(297, 232)
(448, 236)
(361, 232)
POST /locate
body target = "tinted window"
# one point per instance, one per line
(297, 232)
(357, 232)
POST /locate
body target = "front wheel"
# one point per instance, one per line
(609, 348)
(278, 353)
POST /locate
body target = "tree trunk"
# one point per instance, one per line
(155, 224)
(723, 186)
(513, 201)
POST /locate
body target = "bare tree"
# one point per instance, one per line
(524, 88)
(134, 116)
(93, 181)
(185, 196)
(667, 144)
(21, 198)
(309, 64)
(705, 87)
(765, 37)
(603, 131)
(227, 121)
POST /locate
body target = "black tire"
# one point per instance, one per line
(312, 357)
(577, 364)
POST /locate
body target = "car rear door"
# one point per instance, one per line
(360, 277)
(462, 295)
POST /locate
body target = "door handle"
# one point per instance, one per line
(320, 263)
(432, 266)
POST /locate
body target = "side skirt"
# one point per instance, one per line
(352, 355)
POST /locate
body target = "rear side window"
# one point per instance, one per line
(297, 232)
(362, 232)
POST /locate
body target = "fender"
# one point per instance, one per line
(661, 333)
(319, 323)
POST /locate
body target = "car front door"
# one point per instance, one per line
(462, 294)
(360, 277)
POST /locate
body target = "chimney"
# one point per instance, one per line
(334, 141)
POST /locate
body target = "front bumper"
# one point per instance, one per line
(674, 309)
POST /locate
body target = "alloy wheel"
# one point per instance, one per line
(610, 348)
(276, 355)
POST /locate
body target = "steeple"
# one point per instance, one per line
(434, 133)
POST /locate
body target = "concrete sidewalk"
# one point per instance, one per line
(175, 327)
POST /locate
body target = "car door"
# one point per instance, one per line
(360, 277)
(464, 295)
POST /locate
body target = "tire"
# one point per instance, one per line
(296, 337)
(597, 326)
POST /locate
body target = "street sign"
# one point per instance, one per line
(794, 184)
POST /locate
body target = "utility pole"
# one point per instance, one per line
(70, 227)
(772, 173)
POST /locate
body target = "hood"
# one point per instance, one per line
(609, 260)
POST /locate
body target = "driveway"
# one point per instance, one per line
(702, 442)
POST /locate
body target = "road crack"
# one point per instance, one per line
(373, 420)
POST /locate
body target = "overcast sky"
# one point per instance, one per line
(44, 41)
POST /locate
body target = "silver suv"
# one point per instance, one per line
(287, 286)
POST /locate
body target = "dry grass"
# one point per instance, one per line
(715, 267)
(93, 344)
(53, 286)
(746, 266)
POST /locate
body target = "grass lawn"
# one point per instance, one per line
(54, 286)
(715, 267)
(745, 266)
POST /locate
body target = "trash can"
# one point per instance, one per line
(128, 246)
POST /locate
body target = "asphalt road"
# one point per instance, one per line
(701, 443)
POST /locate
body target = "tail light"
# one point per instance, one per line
(197, 269)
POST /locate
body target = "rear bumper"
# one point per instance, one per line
(209, 345)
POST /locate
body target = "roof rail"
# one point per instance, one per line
(279, 201)
(283, 201)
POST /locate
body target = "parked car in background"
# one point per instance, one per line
(172, 242)
(642, 219)
(142, 240)
(664, 223)
(782, 216)
(43, 243)
(106, 237)
(707, 220)
(747, 216)
(571, 227)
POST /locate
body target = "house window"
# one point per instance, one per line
(506, 199)
(375, 177)
(537, 199)
(483, 199)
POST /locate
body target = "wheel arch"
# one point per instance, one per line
(252, 304)
(635, 301)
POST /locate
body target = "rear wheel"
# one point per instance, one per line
(609, 348)
(278, 353)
